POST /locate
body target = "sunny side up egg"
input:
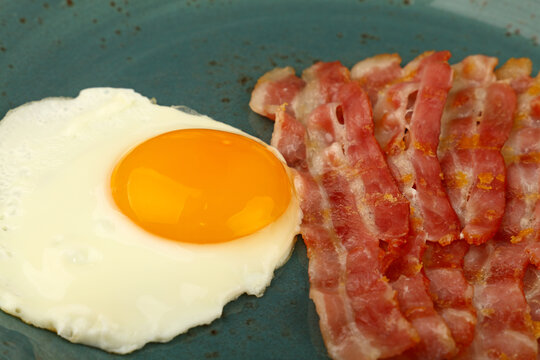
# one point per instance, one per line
(123, 222)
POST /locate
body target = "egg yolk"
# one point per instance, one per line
(201, 186)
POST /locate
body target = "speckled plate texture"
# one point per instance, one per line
(208, 55)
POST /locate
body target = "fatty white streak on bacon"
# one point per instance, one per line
(407, 121)
(497, 269)
(358, 311)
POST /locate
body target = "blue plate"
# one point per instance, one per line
(207, 55)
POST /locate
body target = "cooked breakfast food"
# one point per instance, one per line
(420, 192)
(416, 190)
(124, 222)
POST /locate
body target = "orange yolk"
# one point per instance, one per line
(201, 186)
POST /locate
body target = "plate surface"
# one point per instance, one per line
(208, 55)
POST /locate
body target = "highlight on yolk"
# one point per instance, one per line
(201, 186)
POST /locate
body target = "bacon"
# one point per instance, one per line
(382, 203)
(521, 222)
(504, 328)
(531, 288)
(407, 125)
(352, 298)
(497, 269)
(476, 123)
(289, 138)
(356, 218)
(451, 292)
(385, 209)
(372, 298)
(374, 73)
(407, 122)
(275, 88)
(322, 81)
(474, 173)
(358, 311)
(415, 302)
(347, 118)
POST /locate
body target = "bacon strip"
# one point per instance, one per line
(476, 122)
(474, 172)
(521, 221)
(358, 312)
(322, 81)
(349, 211)
(531, 288)
(374, 73)
(275, 88)
(342, 250)
(504, 328)
(382, 205)
(407, 121)
(497, 269)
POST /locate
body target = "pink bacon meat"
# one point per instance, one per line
(451, 293)
(504, 329)
(407, 121)
(376, 72)
(352, 208)
(359, 315)
(275, 88)
(382, 205)
(375, 188)
(476, 123)
(372, 299)
(358, 311)
(474, 126)
(521, 221)
(497, 269)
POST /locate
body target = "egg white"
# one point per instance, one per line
(71, 262)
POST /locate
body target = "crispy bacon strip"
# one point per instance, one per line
(497, 269)
(407, 121)
(357, 308)
(476, 122)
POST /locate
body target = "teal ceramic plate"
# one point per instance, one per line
(207, 55)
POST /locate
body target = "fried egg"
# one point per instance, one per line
(123, 222)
